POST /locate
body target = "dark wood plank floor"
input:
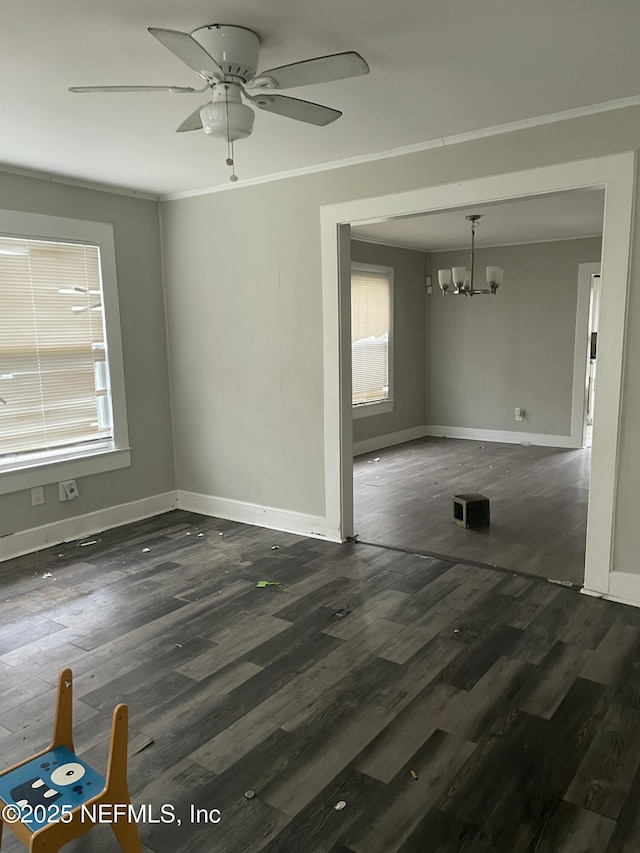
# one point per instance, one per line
(455, 708)
(402, 498)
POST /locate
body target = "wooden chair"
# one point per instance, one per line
(56, 783)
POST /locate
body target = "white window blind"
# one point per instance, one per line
(370, 330)
(54, 378)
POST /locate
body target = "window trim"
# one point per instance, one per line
(378, 407)
(51, 466)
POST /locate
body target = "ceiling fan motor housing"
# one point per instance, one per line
(235, 49)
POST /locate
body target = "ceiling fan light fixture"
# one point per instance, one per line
(228, 121)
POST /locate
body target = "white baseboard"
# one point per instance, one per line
(262, 516)
(68, 529)
(368, 445)
(624, 587)
(536, 438)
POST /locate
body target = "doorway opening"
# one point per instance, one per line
(483, 388)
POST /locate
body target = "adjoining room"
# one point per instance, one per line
(494, 394)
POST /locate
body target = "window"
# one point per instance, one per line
(61, 380)
(371, 333)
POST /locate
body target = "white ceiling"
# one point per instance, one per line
(538, 219)
(437, 69)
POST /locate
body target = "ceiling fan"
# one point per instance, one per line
(226, 58)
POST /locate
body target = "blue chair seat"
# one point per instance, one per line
(49, 785)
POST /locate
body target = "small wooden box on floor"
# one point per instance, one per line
(471, 510)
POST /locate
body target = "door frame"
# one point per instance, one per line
(616, 175)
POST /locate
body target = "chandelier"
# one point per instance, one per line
(463, 279)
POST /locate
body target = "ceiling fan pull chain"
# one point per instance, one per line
(230, 155)
(231, 162)
(226, 110)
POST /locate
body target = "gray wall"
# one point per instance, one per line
(409, 329)
(489, 354)
(138, 257)
(244, 292)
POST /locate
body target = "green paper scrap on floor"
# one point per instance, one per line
(262, 584)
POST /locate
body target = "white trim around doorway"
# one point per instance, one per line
(616, 174)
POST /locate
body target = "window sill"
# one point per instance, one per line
(364, 410)
(45, 471)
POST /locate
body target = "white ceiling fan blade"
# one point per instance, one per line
(193, 122)
(188, 50)
(296, 109)
(323, 69)
(173, 90)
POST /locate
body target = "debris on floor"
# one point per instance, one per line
(344, 611)
(414, 775)
(275, 547)
(249, 795)
(143, 744)
(340, 805)
(262, 584)
(146, 550)
(178, 645)
(47, 575)
(89, 542)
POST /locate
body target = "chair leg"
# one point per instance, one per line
(127, 836)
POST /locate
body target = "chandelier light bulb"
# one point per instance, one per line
(444, 279)
(459, 276)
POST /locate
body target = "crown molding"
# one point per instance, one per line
(76, 182)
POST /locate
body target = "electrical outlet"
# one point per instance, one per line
(37, 495)
(67, 490)
(428, 283)
(519, 414)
